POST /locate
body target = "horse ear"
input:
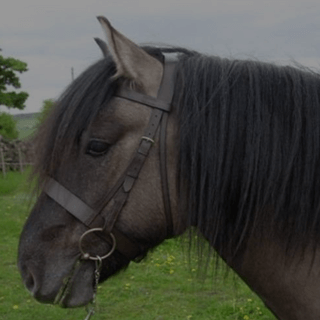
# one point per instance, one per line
(132, 62)
(103, 46)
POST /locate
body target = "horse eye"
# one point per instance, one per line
(97, 147)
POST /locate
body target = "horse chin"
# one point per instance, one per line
(78, 300)
(80, 292)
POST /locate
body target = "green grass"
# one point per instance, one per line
(13, 182)
(164, 286)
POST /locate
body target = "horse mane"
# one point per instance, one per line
(249, 151)
(248, 139)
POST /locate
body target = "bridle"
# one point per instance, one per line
(118, 195)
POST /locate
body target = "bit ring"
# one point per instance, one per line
(86, 255)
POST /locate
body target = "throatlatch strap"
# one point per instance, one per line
(164, 175)
(166, 94)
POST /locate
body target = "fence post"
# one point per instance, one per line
(3, 163)
(20, 159)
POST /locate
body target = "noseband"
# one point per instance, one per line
(117, 197)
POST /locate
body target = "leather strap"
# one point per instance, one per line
(69, 201)
(143, 99)
(164, 175)
(166, 94)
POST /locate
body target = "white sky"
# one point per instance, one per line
(53, 36)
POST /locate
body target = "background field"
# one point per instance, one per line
(165, 286)
(26, 124)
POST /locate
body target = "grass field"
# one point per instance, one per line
(165, 286)
(26, 125)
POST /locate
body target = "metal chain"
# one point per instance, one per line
(91, 308)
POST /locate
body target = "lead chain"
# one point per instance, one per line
(91, 309)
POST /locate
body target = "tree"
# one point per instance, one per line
(45, 110)
(8, 77)
(8, 126)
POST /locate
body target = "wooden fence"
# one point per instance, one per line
(19, 165)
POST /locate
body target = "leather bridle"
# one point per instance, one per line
(118, 195)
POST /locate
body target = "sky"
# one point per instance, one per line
(55, 36)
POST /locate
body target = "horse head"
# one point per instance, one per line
(109, 168)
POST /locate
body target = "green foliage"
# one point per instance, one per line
(8, 77)
(8, 126)
(45, 110)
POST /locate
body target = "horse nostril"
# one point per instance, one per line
(29, 282)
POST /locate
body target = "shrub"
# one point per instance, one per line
(45, 110)
(8, 126)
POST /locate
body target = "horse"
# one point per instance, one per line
(150, 142)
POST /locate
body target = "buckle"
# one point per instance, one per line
(147, 139)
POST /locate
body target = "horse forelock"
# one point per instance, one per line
(72, 114)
